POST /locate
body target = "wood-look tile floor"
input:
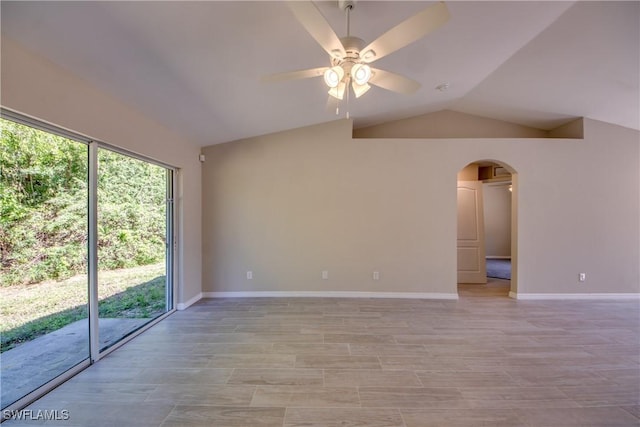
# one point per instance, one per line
(478, 361)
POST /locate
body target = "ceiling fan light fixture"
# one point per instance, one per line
(361, 73)
(358, 89)
(333, 76)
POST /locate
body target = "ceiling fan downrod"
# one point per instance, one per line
(347, 6)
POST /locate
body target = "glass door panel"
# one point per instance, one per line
(133, 213)
(44, 324)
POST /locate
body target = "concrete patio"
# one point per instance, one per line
(34, 363)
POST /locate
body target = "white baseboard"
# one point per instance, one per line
(407, 295)
(330, 294)
(185, 305)
(596, 296)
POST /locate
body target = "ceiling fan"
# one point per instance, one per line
(350, 56)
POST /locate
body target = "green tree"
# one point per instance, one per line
(42, 204)
(131, 211)
(43, 207)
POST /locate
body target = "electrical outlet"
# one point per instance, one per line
(325, 274)
(582, 277)
(249, 275)
(376, 275)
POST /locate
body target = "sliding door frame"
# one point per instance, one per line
(170, 249)
(171, 257)
(94, 348)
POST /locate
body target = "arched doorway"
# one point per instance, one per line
(487, 229)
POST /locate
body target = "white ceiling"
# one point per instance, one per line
(196, 66)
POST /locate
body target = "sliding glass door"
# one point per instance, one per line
(43, 258)
(133, 238)
(86, 252)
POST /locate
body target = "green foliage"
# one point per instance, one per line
(131, 211)
(43, 207)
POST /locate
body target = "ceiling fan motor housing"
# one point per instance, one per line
(352, 46)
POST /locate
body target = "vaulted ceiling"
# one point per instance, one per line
(196, 66)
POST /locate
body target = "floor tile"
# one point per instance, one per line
(423, 363)
(453, 378)
(579, 417)
(339, 349)
(277, 377)
(387, 349)
(252, 360)
(88, 392)
(462, 418)
(190, 394)
(182, 376)
(306, 396)
(369, 378)
(232, 348)
(633, 410)
(337, 362)
(341, 417)
(359, 338)
(604, 394)
(411, 397)
(207, 416)
(516, 397)
(159, 360)
(554, 376)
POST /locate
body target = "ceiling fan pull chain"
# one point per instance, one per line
(348, 91)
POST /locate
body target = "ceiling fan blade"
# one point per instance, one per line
(393, 82)
(315, 23)
(407, 32)
(293, 75)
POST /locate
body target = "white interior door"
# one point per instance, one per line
(471, 249)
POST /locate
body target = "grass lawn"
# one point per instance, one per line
(28, 311)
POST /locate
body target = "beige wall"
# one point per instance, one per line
(34, 86)
(497, 219)
(289, 205)
(573, 129)
(449, 124)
